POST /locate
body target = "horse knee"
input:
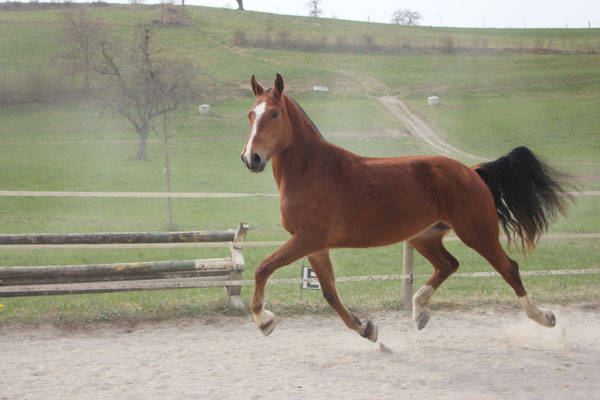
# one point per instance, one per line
(256, 307)
(262, 272)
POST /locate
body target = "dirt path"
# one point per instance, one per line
(421, 130)
(476, 355)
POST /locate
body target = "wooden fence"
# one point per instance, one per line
(233, 282)
(156, 275)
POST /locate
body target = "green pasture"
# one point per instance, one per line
(492, 100)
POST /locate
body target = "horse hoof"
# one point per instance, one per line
(267, 328)
(550, 319)
(265, 320)
(370, 331)
(422, 319)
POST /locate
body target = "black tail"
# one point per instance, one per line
(527, 194)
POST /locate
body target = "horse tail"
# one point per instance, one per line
(527, 195)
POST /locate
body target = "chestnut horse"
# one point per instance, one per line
(332, 198)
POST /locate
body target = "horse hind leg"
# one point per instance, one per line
(509, 270)
(488, 245)
(321, 263)
(429, 245)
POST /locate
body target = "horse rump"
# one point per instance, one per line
(527, 194)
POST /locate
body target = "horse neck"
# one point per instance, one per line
(306, 143)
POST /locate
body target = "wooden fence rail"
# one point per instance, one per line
(118, 238)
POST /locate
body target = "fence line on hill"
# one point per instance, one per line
(29, 193)
(34, 193)
(273, 243)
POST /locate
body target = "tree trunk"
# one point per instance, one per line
(168, 184)
(240, 4)
(142, 153)
(88, 90)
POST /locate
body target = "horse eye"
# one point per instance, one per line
(275, 114)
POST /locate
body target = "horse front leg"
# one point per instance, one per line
(294, 249)
(321, 263)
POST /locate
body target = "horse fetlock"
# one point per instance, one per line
(369, 331)
(265, 320)
(542, 317)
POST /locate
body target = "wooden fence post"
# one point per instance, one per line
(407, 269)
(234, 292)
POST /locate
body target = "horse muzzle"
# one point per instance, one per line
(256, 163)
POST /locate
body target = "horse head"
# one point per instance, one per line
(271, 130)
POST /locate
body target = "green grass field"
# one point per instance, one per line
(492, 101)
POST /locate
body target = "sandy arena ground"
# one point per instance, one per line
(459, 355)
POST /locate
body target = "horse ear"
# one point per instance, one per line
(278, 85)
(256, 88)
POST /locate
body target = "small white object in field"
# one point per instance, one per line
(320, 89)
(433, 100)
(204, 109)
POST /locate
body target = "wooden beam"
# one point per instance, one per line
(14, 275)
(127, 237)
(101, 287)
(241, 232)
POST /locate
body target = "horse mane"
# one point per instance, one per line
(303, 112)
(308, 118)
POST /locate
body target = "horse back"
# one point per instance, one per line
(353, 201)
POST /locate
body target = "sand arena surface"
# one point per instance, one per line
(459, 355)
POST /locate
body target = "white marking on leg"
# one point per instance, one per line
(259, 110)
(545, 318)
(263, 317)
(420, 300)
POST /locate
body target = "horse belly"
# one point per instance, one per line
(385, 218)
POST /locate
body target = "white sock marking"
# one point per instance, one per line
(421, 298)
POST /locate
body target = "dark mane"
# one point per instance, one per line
(308, 118)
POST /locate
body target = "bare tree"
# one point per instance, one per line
(82, 36)
(173, 108)
(406, 17)
(141, 83)
(313, 8)
(240, 4)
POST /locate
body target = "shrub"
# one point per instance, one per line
(284, 36)
(368, 41)
(447, 44)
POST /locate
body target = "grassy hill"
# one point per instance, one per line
(500, 88)
(488, 91)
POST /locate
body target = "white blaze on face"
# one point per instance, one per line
(259, 110)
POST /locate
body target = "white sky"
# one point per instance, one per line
(456, 13)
